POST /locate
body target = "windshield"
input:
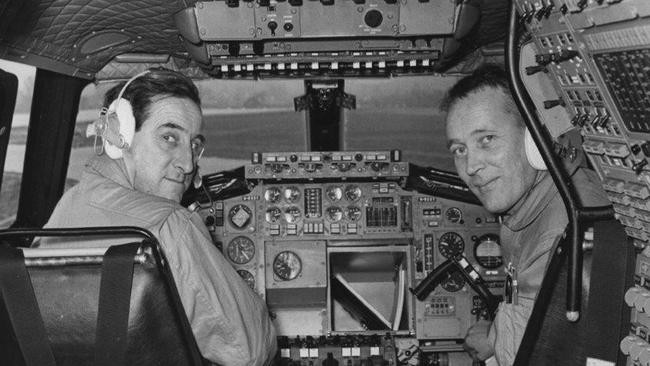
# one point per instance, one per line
(245, 116)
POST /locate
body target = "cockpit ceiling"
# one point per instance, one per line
(235, 38)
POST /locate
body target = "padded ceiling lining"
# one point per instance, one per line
(50, 34)
(52, 29)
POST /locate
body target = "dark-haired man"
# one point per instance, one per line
(485, 134)
(140, 183)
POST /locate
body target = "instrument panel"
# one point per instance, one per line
(337, 256)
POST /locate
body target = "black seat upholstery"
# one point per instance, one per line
(66, 284)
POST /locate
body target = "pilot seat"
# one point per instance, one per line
(91, 306)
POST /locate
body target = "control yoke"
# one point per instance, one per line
(424, 288)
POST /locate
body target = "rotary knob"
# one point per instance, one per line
(626, 343)
(644, 356)
(641, 300)
(631, 295)
(272, 26)
(373, 18)
(636, 347)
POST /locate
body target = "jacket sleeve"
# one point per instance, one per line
(229, 321)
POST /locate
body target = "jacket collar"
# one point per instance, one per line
(114, 170)
(538, 197)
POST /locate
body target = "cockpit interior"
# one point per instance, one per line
(327, 182)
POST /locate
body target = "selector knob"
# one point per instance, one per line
(640, 300)
(644, 356)
(373, 18)
(532, 70)
(210, 220)
(548, 104)
(272, 26)
(636, 348)
(638, 166)
(626, 343)
(631, 295)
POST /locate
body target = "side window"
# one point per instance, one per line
(13, 167)
(82, 147)
(239, 117)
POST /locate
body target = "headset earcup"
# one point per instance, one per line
(120, 113)
(532, 153)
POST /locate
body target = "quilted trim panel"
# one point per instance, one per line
(53, 29)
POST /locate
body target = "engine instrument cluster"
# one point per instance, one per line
(334, 252)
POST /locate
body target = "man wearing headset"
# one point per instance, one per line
(486, 136)
(151, 132)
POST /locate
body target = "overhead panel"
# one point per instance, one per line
(375, 37)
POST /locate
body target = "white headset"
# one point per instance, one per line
(532, 152)
(116, 128)
(116, 124)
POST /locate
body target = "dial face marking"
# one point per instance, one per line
(292, 214)
(272, 195)
(454, 215)
(352, 192)
(487, 251)
(272, 215)
(451, 244)
(353, 213)
(248, 278)
(334, 193)
(287, 265)
(334, 213)
(454, 281)
(291, 194)
(240, 216)
(241, 250)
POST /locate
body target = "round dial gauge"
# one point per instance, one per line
(248, 278)
(454, 214)
(272, 195)
(273, 215)
(451, 244)
(241, 250)
(487, 251)
(334, 213)
(352, 192)
(287, 265)
(240, 216)
(454, 281)
(334, 193)
(291, 194)
(292, 214)
(353, 213)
